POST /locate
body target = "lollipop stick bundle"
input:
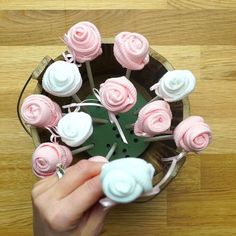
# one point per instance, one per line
(122, 113)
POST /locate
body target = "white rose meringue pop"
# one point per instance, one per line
(75, 128)
(62, 79)
(175, 85)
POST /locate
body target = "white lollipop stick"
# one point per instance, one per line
(177, 157)
(99, 120)
(136, 112)
(82, 105)
(112, 118)
(159, 138)
(128, 73)
(111, 151)
(170, 173)
(95, 120)
(90, 75)
(76, 98)
(129, 126)
(82, 149)
(156, 189)
(152, 100)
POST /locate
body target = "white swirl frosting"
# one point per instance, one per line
(124, 180)
(62, 79)
(75, 128)
(175, 85)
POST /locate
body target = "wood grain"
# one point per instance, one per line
(196, 35)
(202, 4)
(80, 5)
(110, 4)
(165, 27)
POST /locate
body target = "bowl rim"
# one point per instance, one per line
(46, 61)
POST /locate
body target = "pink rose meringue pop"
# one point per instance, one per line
(84, 44)
(46, 157)
(40, 111)
(84, 41)
(192, 134)
(154, 118)
(118, 94)
(131, 50)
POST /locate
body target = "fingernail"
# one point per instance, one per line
(98, 159)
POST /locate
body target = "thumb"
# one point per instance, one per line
(96, 220)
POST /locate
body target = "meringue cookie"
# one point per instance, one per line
(46, 157)
(75, 128)
(154, 118)
(175, 85)
(124, 180)
(118, 94)
(62, 79)
(40, 111)
(84, 41)
(131, 50)
(192, 134)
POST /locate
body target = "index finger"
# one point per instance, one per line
(75, 176)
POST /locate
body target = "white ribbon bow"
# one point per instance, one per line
(112, 117)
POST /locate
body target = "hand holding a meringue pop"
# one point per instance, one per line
(70, 205)
(71, 202)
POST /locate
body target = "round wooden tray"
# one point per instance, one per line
(106, 66)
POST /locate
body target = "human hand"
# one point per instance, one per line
(68, 206)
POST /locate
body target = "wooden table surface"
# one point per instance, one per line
(197, 35)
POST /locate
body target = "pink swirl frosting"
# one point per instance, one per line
(46, 157)
(131, 50)
(192, 134)
(118, 94)
(40, 111)
(84, 41)
(154, 118)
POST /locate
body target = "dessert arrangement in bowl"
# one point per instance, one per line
(117, 101)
